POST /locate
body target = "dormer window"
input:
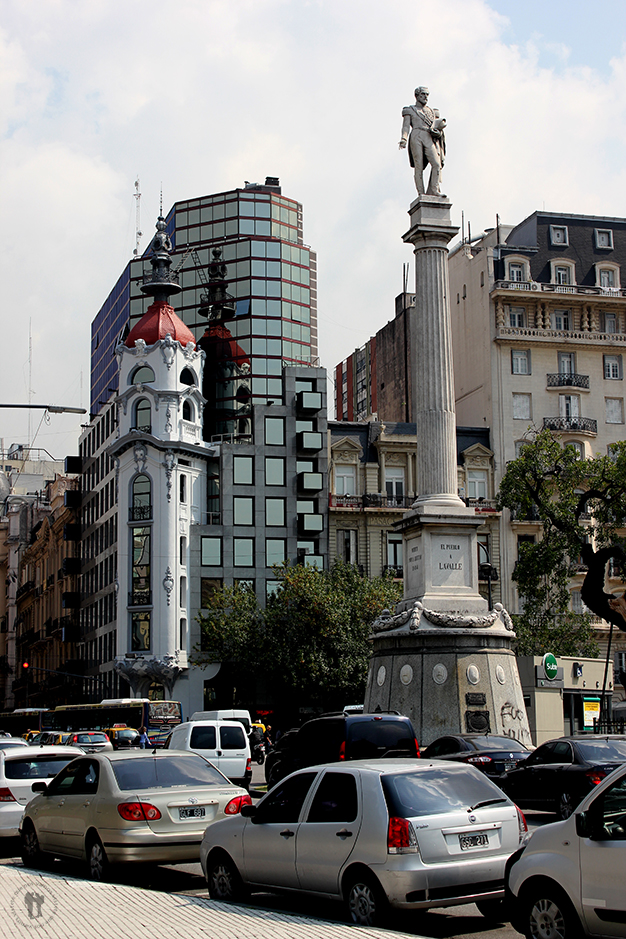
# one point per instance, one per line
(559, 235)
(561, 275)
(604, 238)
(516, 272)
(142, 375)
(607, 276)
(563, 272)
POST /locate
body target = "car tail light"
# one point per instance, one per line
(138, 811)
(522, 824)
(401, 837)
(6, 795)
(249, 765)
(234, 806)
(342, 750)
(417, 747)
(477, 759)
(595, 776)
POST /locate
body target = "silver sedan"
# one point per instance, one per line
(127, 806)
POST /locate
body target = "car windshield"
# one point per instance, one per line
(163, 772)
(127, 734)
(496, 743)
(91, 738)
(600, 751)
(42, 767)
(437, 791)
(372, 738)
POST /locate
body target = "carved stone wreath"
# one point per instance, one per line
(413, 617)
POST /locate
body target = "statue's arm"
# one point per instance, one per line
(406, 127)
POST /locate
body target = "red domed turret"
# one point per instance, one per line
(159, 320)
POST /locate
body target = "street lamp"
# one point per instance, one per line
(487, 571)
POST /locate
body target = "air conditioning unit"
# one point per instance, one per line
(535, 286)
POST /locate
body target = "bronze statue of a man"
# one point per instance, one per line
(423, 129)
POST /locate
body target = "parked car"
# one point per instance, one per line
(569, 878)
(341, 736)
(19, 768)
(6, 743)
(127, 805)
(410, 834)
(123, 737)
(559, 773)
(53, 738)
(224, 743)
(90, 741)
(490, 753)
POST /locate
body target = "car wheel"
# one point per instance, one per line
(223, 879)
(548, 914)
(97, 861)
(566, 804)
(366, 902)
(493, 909)
(275, 775)
(31, 852)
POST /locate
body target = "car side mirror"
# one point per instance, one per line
(589, 825)
(39, 787)
(248, 811)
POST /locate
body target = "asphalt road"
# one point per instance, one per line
(464, 922)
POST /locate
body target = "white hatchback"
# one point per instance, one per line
(411, 834)
(20, 767)
(569, 878)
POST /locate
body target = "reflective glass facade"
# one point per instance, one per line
(271, 274)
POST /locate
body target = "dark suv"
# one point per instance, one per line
(335, 737)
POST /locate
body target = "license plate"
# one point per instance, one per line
(194, 811)
(508, 766)
(473, 841)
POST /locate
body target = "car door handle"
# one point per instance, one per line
(286, 833)
(344, 833)
(62, 802)
(85, 804)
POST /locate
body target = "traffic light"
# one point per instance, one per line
(24, 665)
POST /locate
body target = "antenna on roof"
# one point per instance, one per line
(161, 203)
(138, 232)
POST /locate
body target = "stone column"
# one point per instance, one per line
(431, 353)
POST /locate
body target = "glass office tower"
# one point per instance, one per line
(272, 276)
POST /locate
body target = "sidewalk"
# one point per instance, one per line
(49, 906)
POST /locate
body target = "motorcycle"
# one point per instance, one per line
(258, 753)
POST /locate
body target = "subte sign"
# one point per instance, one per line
(550, 666)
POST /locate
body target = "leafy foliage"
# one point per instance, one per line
(581, 505)
(311, 640)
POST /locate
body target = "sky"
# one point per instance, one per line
(198, 96)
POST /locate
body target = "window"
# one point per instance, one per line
(208, 587)
(243, 552)
(477, 484)
(347, 545)
(520, 361)
(142, 375)
(140, 573)
(274, 512)
(560, 319)
(271, 588)
(558, 235)
(187, 411)
(394, 551)
(612, 366)
(614, 410)
(604, 238)
(394, 485)
(140, 632)
(275, 431)
(211, 552)
(516, 272)
(274, 471)
(610, 323)
(521, 407)
(141, 497)
(562, 274)
(335, 800)
(285, 802)
(243, 470)
(578, 447)
(517, 316)
(243, 510)
(275, 551)
(607, 277)
(577, 602)
(183, 488)
(345, 480)
(567, 363)
(142, 417)
(569, 406)
(187, 377)
(519, 446)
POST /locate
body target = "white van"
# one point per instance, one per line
(232, 714)
(224, 743)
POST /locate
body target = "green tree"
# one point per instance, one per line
(582, 508)
(310, 643)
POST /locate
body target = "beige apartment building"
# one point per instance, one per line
(539, 333)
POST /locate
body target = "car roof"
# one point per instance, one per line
(385, 766)
(114, 756)
(18, 752)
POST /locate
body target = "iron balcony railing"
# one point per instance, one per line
(562, 380)
(580, 425)
(371, 500)
(396, 569)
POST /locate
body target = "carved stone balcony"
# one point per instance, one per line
(571, 425)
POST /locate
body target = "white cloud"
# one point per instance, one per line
(203, 94)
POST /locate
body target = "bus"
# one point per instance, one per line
(18, 722)
(158, 716)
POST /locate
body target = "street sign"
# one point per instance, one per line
(550, 666)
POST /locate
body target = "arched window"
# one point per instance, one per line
(141, 375)
(141, 502)
(188, 411)
(143, 417)
(187, 377)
